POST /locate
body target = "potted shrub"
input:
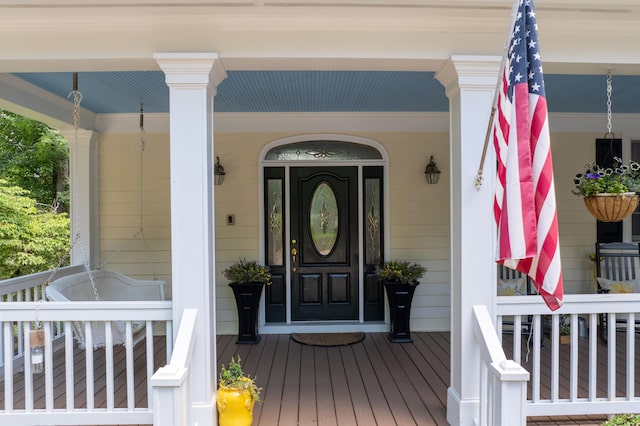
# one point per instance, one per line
(400, 279)
(247, 279)
(237, 394)
(623, 420)
(609, 193)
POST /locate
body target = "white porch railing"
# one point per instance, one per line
(502, 381)
(171, 383)
(17, 319)
(572, 389)
(25, 289)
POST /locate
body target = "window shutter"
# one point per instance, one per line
(606, 150)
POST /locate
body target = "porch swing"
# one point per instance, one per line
(101, 284)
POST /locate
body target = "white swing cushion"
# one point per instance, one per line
(111, 286)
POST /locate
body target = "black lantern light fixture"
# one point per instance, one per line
(219, 172)
(431, 172)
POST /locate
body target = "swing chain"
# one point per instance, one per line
(609, 89)
(77, 99)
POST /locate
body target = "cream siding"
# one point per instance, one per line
(577, 227)
(119, 162)
(418, 213)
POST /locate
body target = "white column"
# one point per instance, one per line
(83, 208)
(192, 79)
(470, 83)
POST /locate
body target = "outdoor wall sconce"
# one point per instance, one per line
(431, 172)
(219, 172)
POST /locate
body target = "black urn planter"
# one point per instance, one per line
(248, 302)
(400, 296)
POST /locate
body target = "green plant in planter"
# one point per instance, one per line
(400, 271)
(564, 326)
(247, 271)
(234, 378)
(237, 394)
(623, 420)
(608, 180)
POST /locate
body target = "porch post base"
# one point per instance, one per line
(461, 412)
(205, 414)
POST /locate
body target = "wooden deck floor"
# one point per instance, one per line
(373, 382)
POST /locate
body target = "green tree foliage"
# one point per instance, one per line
(35, 157)
(33, 188)
(31, 240)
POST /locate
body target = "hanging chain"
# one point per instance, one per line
(140, 231)
(141, 193)
(609, 88)
(77, 99)
(141, 168)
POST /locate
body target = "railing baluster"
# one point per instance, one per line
(593, 356)
(611, 356)
(169, 338)
(8, 366)
(28, 373)
(631, 351)
(89, 366)
(1, 339)
(150, 361)
(535, 386)
(130, 377)
(573, 359)
(517, 338)
(20, 349)
(48, 366)
(68, 361)
(555, 357)
(108, 354)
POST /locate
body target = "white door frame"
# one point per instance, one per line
(322, 326)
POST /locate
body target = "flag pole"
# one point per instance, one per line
(479, 177)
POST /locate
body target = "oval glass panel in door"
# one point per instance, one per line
(323, 218)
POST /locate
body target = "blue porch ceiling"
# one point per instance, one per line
(323, 91)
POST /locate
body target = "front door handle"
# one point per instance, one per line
(294, 253)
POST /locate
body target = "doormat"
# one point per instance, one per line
(328, 339)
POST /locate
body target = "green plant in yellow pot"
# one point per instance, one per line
(237, 394)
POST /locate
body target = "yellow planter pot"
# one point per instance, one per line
(235, 407)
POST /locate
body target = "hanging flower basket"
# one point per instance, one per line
(611, 207)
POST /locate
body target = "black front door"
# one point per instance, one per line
(324, 243)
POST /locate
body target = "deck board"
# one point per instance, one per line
(406, 377)
(324, 392)
(291, 388)
(374, 382)
(307, 407)
(356, 388)
(399, 409)
(373, 388)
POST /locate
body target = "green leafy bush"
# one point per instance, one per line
(31, 239)
(401, 271)
(247, 271)
(624, 420)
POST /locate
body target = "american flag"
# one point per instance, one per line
(525, 201)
